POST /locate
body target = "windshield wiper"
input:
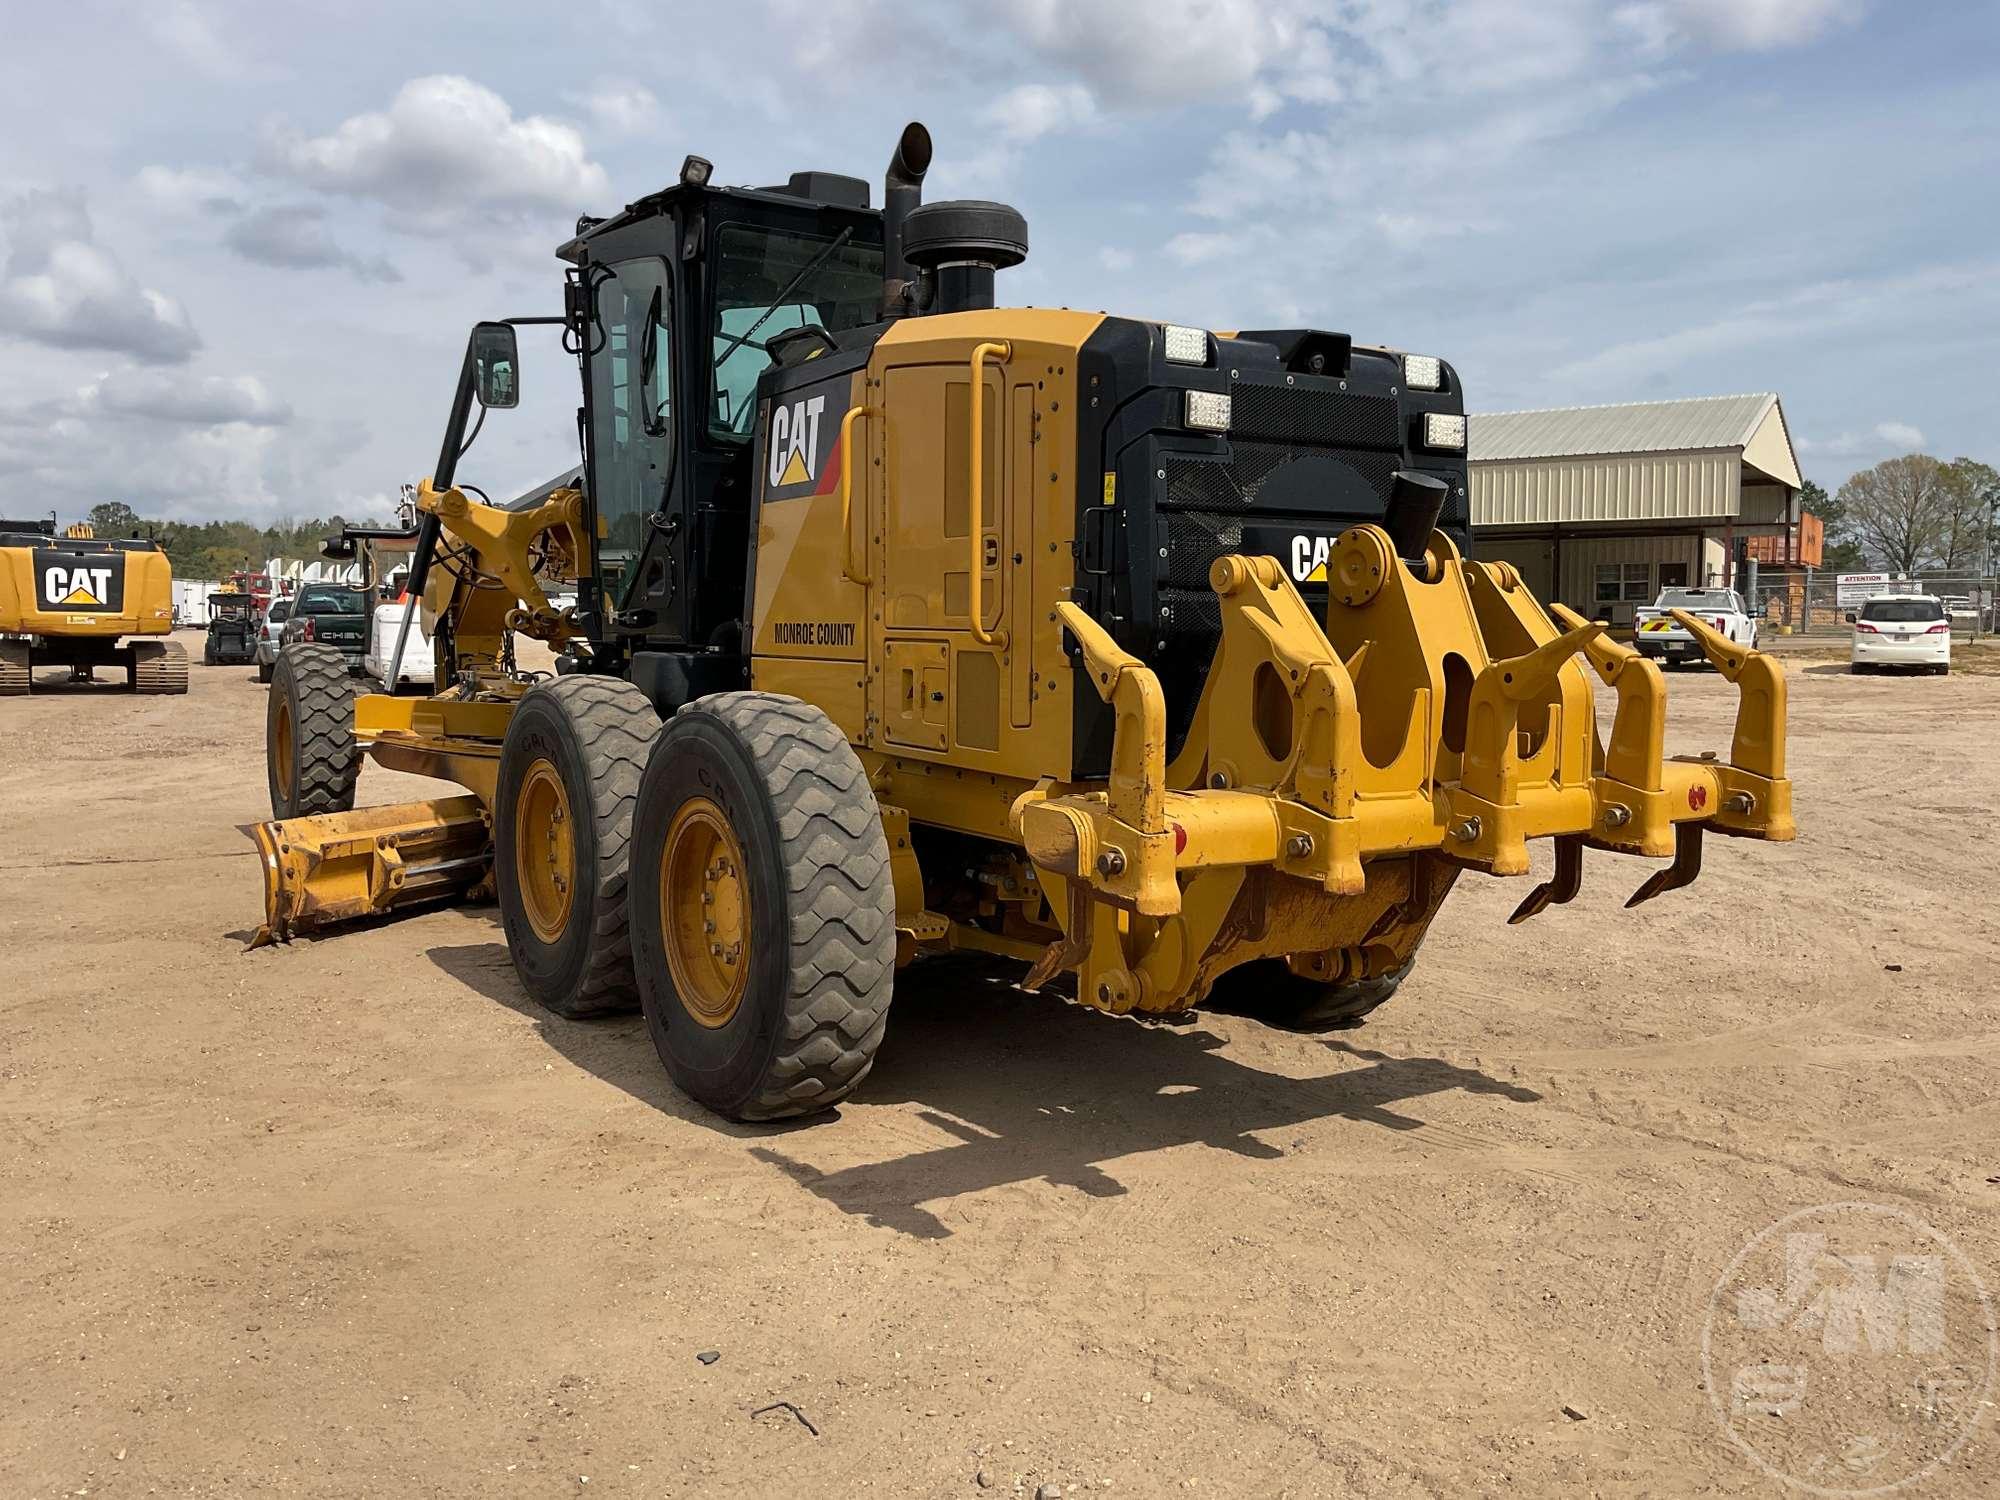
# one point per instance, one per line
(781, 300)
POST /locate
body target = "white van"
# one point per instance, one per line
(383, 627)
(1901, 630)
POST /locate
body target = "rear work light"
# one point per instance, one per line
(1186, 346)
(1444, 430)
(1423, 372)
(1207, 411)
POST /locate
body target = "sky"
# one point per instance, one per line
(241, 245)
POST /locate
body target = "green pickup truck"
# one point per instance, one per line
(334, 615)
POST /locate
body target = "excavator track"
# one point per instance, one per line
(159, 667)
(15, 678)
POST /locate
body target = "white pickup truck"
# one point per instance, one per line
(1659, 636)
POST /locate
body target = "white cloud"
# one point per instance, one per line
(1033, 110)
(191, 191)
(172, 447)
(1158, 52)
(1883, 438)
(295, 237)
(191, 35)
(1197, 248)
(1812, 311)
(622, 109)
(1113, 259)
(446, 147)
(204, 401)
(62, 289)
(1739, 25)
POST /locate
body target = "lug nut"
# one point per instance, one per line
(1111, 862)
(1300, 846)
(1617, 815)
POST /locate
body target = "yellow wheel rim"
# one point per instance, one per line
(545, 851)
(705, 913)
(281, 747)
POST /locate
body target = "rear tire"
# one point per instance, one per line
(311, 758)
(1268, 991)
(158, 667)
(17, 678)
(562, 832)
(264, 671)
(759, 837)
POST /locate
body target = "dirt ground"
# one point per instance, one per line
(353, 1218)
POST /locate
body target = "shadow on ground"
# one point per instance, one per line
(1029, 1086)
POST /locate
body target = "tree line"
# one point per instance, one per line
(215, 549)
(1912, 514)
(1906, 515)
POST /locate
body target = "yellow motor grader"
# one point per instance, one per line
(1141, 653)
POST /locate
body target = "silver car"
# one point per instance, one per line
(267, 637)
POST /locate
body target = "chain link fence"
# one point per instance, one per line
(1810, 602)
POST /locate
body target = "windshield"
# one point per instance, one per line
(1902, 611)
(331, 601)
(769, 282)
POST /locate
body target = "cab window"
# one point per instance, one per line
(769, 282)
(631, 411)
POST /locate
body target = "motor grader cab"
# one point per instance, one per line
(67, 600)
(1149, 656)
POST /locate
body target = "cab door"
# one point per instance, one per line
(632, 434)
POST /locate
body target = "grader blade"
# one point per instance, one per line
(324, 870)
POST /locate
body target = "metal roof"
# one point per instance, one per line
(1701, 423)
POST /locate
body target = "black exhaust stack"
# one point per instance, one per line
(1415, 501)
(902, 192)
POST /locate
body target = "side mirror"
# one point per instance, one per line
(496, 362)
(1852, 617)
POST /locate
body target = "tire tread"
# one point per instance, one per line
(842, 929)
(616, 725)
(326, 752)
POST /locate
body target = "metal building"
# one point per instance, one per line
(1603, 506)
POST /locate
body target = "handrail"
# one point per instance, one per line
(976, 490)
(847, 492)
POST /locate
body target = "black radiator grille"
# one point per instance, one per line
(1239, 484)
(1291, 417)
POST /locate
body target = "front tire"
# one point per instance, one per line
(311, 758)
(763, 911)
(562, 831)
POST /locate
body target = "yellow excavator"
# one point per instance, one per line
(67, 600)
(1153, 657)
